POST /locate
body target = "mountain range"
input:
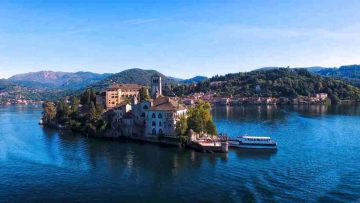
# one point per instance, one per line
(79, 80)
(64, 82)
(57, 80)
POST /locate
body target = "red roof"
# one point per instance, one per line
(125, 87)
(166, 104)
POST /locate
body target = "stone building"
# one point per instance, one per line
(150, 118)
(156, 86)
(117, 94)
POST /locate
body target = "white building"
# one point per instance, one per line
(162, 116)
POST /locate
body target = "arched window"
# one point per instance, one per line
(153, 123)
(153, 131)
(160, 123)
(160, 132)
(160, 115)
(145, 107)
(153, 115)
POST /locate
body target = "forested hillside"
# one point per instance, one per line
(134, 76)
(282, 82)
(350, 73)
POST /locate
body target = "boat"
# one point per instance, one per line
(252, 142)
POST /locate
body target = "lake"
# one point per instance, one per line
(318, 160)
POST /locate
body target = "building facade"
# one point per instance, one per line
(162, 117)
(156, 86)
(117, 94)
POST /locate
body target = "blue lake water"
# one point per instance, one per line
(318, 160)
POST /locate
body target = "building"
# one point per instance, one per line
(139, 111)
(321, 96)
(100, 99)
(117, 94)
(156, 86)
(120, 111)
(162, 116)
(149, 118)
(163, 113)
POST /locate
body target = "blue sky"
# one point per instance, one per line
(177, 38)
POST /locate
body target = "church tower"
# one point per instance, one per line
(156, 90)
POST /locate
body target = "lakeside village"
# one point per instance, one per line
(211, 97)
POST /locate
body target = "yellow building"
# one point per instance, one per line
(117, 94)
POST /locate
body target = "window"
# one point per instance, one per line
(153, 115)
(153, 131)
(153, 123)
(160, 132)
(160, 115)
(160, 123)
(146, 107)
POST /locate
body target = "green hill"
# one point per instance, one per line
(135, 76)
(349, 73)
(281, 82)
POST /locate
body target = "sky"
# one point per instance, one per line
(178, 38)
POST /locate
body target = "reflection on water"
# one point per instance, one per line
(317, 160)
(254, 154)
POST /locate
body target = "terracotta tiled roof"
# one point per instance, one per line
(166, 104)
(125, 86)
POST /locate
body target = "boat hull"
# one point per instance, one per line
(253, 147)
(235, 144)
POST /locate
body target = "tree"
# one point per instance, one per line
(181, 126)
(211, 128)
(200, 119)
(49, 111)
(85, 97)
(93, 111)
(88, 96)
(75, 104)
(63, 110)
(144, 94)
(99, 109)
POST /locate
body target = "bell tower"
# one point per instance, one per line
(156, 90)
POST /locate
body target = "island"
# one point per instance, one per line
(129, 111)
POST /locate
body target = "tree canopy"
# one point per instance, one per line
(282, 82)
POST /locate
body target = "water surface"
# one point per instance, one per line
(318, 160)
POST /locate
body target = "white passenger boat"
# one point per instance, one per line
(252, 142)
